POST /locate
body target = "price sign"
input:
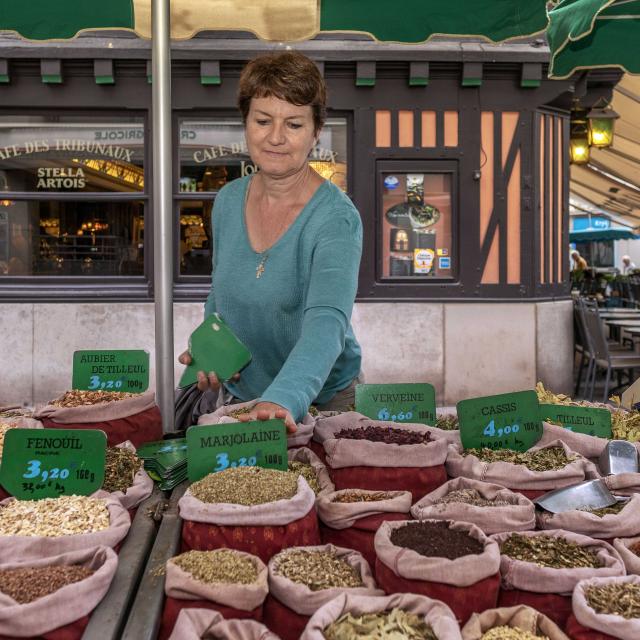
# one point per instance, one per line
(124, 370)
(506, 421)
(212, 448)
(589, 420)
(397, 402)
(47, 463)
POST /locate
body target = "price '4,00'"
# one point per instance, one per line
(490, 430)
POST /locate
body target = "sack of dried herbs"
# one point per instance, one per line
(260, 511)
(350, 517)
(541, 568)
(537, 471)
(14, 422)
(53, 594)
(450, 561)
(382, 456)
(629, 550)
(202, 624)
(122, 416)
(302, 579)
(606, 608)
(381, 612)
(588, 446)
(523, 618)
(304, 461)
(490, 507)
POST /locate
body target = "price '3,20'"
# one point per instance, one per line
(35, 470)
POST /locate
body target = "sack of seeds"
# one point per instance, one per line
(350, 517)
(202, 624)
(260, 511)
(401, 615)
(629, 550)
(450, 561)
(48, 527)
(532, 473)
(303, 579)
(230, 582)
(376, 455)
(501, 624)
(606, 608)
(53, 594)
(230, 412)
(312, 469)
(541, 568)
(122, 416)
(490, 507)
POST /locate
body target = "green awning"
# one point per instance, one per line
(586, 34)
(590, 235)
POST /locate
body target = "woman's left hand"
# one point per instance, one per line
(267, 411)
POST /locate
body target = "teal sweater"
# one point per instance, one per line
(296, 318)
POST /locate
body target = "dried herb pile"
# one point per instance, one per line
(614, 509)
(385, 625)
(224, 566)
(447, 422)
(120, 468)
(434, 539)
(349, 497)
(510, 633)
(4, 427)
(635, 548)
(239, 412)
(313, 411)
(549, 459)
(548, 551)
(27, 584)
(386, 435)
(76, 398)
(472, 497)
(307, 472)
(619, 599)
(247, 486)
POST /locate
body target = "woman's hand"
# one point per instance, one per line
(205, 381)
(267, 411)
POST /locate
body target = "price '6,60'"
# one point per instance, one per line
(35, 470)
(490, 430)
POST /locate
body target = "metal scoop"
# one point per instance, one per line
(592, 494)
(619, 456)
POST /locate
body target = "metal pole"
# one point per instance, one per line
(163, 209)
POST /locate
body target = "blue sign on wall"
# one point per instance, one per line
(583, 223)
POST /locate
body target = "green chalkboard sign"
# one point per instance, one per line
(211, 448)
(122, 370)
(412, 402)
(47, 463)
(589, 420)
(505, 421)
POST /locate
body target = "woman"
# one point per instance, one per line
(287, 247)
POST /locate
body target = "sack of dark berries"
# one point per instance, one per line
(370, 454)
(490, 507)
(53, 597)
(303, 579)
(541, 568)
(202, 624)
(523, 618)
(450, 561)
(122, 416)
(350, 517)
(317, 475)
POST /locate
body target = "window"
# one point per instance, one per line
(71, 196)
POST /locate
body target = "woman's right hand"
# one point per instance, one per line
(208, 381)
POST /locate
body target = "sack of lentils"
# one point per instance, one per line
(53, 596)
(629, 550)
(260, 511)
(350, 517)
(402, 615)
(122, 416)
(511, 623)
(450, 561)
(307, 464)
(370, 454)
(490, 507)
(303, 579)
(203, 624)
(14, 422)
(52, 526)
(541, 568)
(230, 582)
(532, 473)
(606, 609)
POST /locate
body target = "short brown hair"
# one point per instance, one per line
(288, 75)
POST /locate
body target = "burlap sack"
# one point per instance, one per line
(65, 606)
(517, 477)
(630, 559)
(300, 438)
(290, 605)
(576, 631)
(613, 625)
(304, 454)
(19, 422)
(201, 624)
(27, 547)
(437, 614)
(468, 584)
(136, 419)
(519, 515)
(522, 617)
(623, 484)
(588, 446)
(549, 590)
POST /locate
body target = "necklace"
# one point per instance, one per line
(260, 267)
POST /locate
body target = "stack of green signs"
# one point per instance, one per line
(165, 461)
